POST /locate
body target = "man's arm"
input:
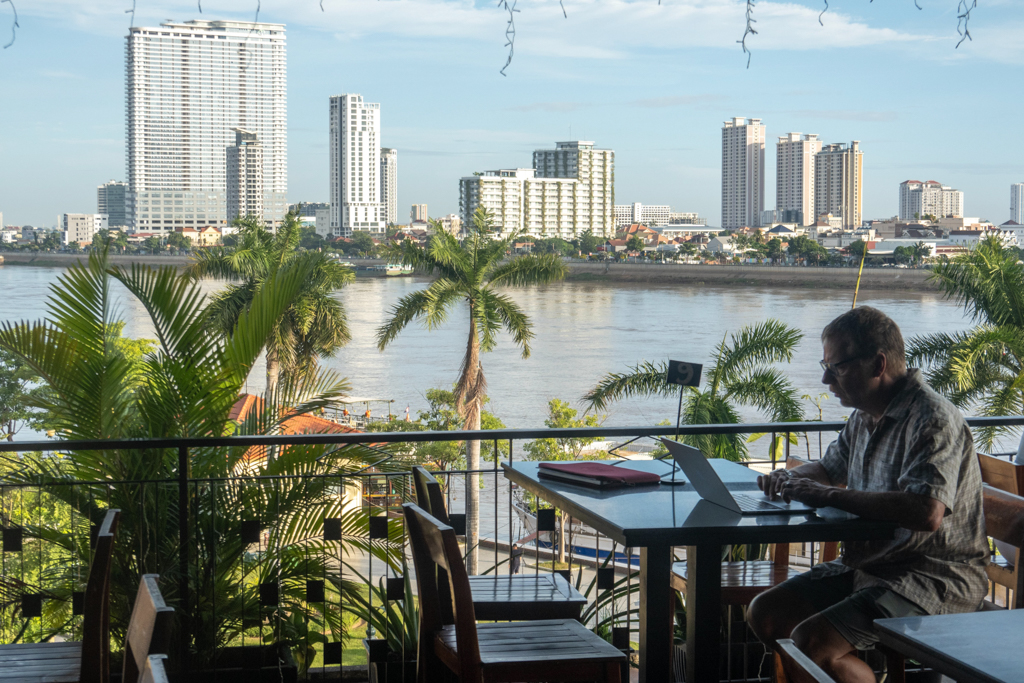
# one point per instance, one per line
(912, 511)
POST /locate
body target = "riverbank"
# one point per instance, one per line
(878, 279)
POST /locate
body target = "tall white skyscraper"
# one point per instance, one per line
(593, 202)
(794, 177)
(355, 166)
(742, 172)
(839, 182)
(188, 85)
(111, 199)
(929, 198)
(245, 176)
(389, 184)
(1017, 203)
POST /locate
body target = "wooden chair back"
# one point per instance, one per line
(95, 667)
(435, 551)
(1002, 474)
(816, 673)
(429, 495)
(154, 671)
(149, 629)
(1004, 521)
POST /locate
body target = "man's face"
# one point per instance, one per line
(851, 379)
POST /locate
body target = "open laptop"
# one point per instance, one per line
(711, 488)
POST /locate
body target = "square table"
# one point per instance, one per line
(656, 518)
(978, 647)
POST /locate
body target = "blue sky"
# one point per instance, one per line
(652, 82)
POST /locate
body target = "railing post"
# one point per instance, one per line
(183, 548)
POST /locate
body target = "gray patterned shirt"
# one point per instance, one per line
(922, 444)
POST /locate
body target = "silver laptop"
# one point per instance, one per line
(711, 488)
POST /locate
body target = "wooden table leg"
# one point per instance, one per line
(655, 614)
(703, 611)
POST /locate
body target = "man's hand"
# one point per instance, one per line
(808, 492)
(773, 482)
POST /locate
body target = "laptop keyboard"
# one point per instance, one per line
(754, 503)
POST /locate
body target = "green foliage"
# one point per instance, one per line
(587, 242)
(398, 624)
(634, 243)
(441, 415)
(19, 389)
(310, 240)
(805, 248)
(857, 249)
(153, 245)
(774, 249)
(313, 326)
(563, 416)
(184, 387)
(177, 240)
(982, 368)
(742, 373)
(361, 243)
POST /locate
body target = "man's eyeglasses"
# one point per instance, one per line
(832, 367)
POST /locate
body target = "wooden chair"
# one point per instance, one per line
(742, 581)
(87, 661)
(149, 630)
(1004, 521)
(501, 598)
(450, 637)
(1002, 474)
(154, 672)
(804, 662)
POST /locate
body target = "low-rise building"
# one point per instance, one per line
(80, 227)
(451, 224)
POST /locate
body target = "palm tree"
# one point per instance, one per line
(741, 374)
(185, 387)
(470, 273)
(981, 368)
(313, 326)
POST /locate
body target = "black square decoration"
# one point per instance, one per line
(395, 588)
(565, 574)
(458, 522)
(12, 539)
(315, 591)
(605, 578)
(249, 531)
(332, 530)
(620, 637)
(378, 527)
(78, 603)
(32, 605)
(546, 519)
(268, 594)
(332, 653)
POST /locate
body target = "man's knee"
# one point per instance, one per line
(818, 639)
(771, 615)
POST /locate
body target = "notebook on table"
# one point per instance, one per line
(597, 475)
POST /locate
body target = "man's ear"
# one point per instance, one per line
(881, 364)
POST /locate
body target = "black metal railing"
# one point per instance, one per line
(351, 527)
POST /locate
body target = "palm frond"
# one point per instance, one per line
(526, 270)
(642, 380)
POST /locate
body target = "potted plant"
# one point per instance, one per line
(391, 656)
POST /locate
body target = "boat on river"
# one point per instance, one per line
(385, 270)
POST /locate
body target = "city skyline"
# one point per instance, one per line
(676, 100)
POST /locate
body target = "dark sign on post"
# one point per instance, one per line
(684, 374)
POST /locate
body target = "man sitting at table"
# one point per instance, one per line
(906, 455)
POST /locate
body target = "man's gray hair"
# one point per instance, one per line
(866, 331)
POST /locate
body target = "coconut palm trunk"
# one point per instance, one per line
(469, 395)
(273, 370)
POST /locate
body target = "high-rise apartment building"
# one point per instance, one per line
(838, 183)
(188, 85)
(794, 176)
(418, 213)
(355, 166)
(594, 171)
(742, 173)
(389, 184)
(244, 176)
(111, 199)
(1017, 203)
(929, 198)
(80, 227)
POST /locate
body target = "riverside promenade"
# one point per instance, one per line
(794, 277)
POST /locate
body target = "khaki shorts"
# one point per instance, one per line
(852, 613)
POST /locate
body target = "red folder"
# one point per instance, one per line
(596, 474)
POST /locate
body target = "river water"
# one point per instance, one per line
(583, 330)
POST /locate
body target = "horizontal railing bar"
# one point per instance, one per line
(460, 435)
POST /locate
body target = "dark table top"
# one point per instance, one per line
(676, 515)
(983, 647)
